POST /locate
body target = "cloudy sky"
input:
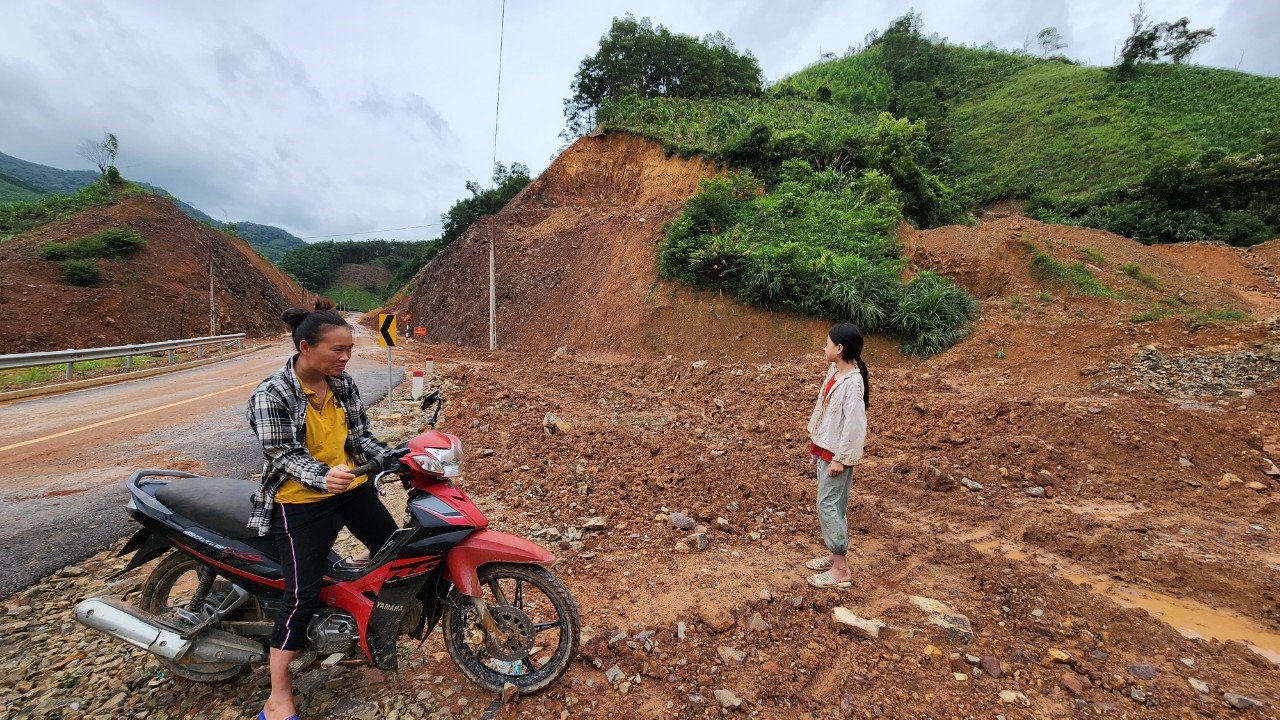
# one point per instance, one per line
(359, 120)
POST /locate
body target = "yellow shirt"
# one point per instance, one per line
(326, 441)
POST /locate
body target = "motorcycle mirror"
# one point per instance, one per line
(430, 399)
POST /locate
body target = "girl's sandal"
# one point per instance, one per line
(823, 580)
(819, 563)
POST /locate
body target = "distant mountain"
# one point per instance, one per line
(21, 181)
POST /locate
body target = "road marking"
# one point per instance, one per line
(127, 417)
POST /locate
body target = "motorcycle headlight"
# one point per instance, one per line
(442, 461)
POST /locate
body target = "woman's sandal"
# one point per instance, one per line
(818, 563)
(823, 580)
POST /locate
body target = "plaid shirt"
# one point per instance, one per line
(277, 413)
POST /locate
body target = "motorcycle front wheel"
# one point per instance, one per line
(171, 586)
(537, 622)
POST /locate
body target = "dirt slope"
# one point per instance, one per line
(161, 292)
(575, 268)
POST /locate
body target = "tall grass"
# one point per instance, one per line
(820, 243)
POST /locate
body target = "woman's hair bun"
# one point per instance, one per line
(293, 317)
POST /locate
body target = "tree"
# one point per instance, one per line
(637, 57)
(1050, 40)
(1180, 42)
(102, 154)
(507, 183)
(1150, 41)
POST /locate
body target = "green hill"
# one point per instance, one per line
(1014, 125)
(22, 181)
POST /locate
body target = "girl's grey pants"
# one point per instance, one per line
(833, 499)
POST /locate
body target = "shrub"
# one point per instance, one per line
(81, 273)
(821, 242)
(112, 243)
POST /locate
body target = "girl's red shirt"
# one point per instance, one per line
(825, 454)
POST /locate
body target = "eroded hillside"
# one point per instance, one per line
(160, 292)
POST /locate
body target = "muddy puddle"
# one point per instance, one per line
(1188, 617)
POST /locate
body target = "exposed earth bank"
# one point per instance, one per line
(160, 292)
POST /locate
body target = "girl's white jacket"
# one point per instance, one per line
(840, 423)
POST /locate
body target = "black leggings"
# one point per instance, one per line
(304, 535)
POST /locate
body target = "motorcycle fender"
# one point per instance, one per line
(489, 546)
(145, 546)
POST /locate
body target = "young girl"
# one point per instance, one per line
(837, 430)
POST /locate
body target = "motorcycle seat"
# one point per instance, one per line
(221, 504)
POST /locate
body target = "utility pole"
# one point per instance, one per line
(497, 105)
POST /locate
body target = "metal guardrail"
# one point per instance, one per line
(71, 357)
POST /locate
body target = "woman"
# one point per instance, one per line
(313, 429)
(837, 431)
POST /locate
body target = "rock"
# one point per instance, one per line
(957, 663)
(1185, 462)
(19, 611)
(508, 466)
(681, 630)
(697, 540)
(990, 665)
(732, 506)
(1256, 486)
(1229, 480)
(960, 676)
(682, 547)
(727, 699)
(1199, 686)
(486, 452)
(1143, 670)
(596, 524)
(1271, 469)
(718, 619)
(1013, 697)
(766, 595)
(1240, 702)
(955, 627)
(844, 619)
(1035, 492)
(552, 424)
(1055, 656)
(757, 624)
(972, 485)
(614, 674)
(1071, 683)
(730, 655)
(1088, 370)
(932, 654)
(935, 479)
(509, 692)
(355, 709)
(1138, 695)
(680, 521)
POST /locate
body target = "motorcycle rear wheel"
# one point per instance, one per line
(171, 585)
(539, 621)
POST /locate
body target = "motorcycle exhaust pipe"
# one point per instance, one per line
(127, 623)
(141, 629)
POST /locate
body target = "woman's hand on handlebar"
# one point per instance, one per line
(338, 479)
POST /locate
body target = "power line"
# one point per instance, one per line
(370, 232)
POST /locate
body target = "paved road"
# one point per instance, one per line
(64, 458)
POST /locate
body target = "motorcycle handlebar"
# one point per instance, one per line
(382, 463)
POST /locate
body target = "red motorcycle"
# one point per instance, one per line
(208, 607)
